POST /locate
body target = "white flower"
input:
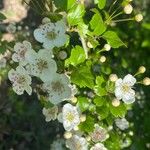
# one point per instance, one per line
(50, 113)
(2, 61)
(77, 143)
(51, 34)
(123, 89)
(128, 9)
(21, 80)
(58, 144)
(20, 51)
(40, 64)
(70, 116)
(98, 146)
(122, 123)
(99, 134)
(59, 88)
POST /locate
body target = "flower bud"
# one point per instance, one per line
(83, 118)
(116, 102)
(62, 55)
(76, 128)
(102, 59)
(46, 20)
(113, 77)
(74, 100)
(142, 69)
(89, 45)
(67, 135)
(107, 47)
(88, 138)
(139, 17)
(128, 9)
(146, 81)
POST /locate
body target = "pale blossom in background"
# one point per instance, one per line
(122, 123)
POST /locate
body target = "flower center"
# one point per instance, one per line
(70, 117)
(51, 35)
(57, 87)
(21, 80)
(42, 64)
(125, 88)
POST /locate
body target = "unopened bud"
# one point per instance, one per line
(146, 81)
(113, 77)
(89, 45)
(74, 100)
(142, 69)
(46, 20)
(62, 55)
(83, 118)
(88, 138)
(102, 59)
(139, 17)
(128, 9)
(116, 102)
(107, 47)
(67, 135)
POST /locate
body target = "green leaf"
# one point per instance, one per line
(64, 4)
(77, 56)
(100, 88)
(97, 24)
(101, 4)
(2, 17)
(113, 39)
(75, 14)
(119, 111)
(103, 112)
(83, 77)
(88, 125)
(99, 101)
(83, 103)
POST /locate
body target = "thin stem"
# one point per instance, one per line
(112, 6)
(39, 6)
(117, 15)
(122, 20)
(84, 45)
(102, 50)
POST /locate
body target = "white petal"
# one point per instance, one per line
(48, 44)
(129, 80)
(28, 89)
(129, 97)
(118, 82)
(18, 89)
(38, 35)
(27, 45)
(118, 93)
(30, 56)
(12, 75)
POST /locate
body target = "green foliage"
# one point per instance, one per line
(100, 88)
(83, 77)
(75, 14)
(112, 38)
(77, 56)
(88, 125)
(83, 103)
(101, 4)
(97, 24)
(2, 17)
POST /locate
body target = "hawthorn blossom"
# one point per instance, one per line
(77, 143)
(98, 146)
(70, 117)
(123, 89)
(122, 123)
(21, 80)
(58, 89)
(51, 34)
(99, 134)
(20, 51)
(50, 113)
(40, 64)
